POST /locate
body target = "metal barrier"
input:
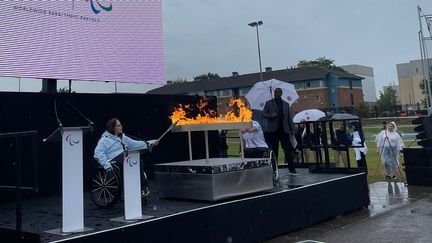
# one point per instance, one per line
(18, 136)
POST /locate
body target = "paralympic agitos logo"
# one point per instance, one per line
(132, 161)
(72, 140)
(97, 7)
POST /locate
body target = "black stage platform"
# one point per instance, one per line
(295, 202)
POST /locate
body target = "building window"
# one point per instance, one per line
(416, 70)
(344, 82)
(321, 83)
(212, 93)
(243, 91)
(356, 84)
(197, 93)
(298, 85)
(315, 84)
(225, 92)
(317, 98)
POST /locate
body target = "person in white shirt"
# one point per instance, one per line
(359, 150)
(255, 145)
(389, 144)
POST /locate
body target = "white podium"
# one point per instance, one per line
(132, 189)
(72, 179)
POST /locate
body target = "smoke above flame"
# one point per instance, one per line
(202, 114)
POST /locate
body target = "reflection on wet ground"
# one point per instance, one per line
(384, 196)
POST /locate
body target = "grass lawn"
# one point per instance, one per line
(378, 122)
(376, 170)
(372, 126)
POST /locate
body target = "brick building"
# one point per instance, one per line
(318, 87)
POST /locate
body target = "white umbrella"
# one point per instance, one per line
(343, 116)
(309, 115)
(263, 91)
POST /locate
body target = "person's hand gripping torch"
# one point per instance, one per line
(156, 142)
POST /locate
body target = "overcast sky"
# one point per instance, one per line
(213, 36)
(203, 36)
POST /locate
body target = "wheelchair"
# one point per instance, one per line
(265, 153)
(274, 164)
(106, 186)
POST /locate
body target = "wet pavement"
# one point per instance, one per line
(397, 213)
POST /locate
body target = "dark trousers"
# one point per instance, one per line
(362, 162)
(256, 152)
(273, 139)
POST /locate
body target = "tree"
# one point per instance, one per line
(319, 62)
(177, 80)
(423, 87)
(363, 109)
(64, 90)
(206, 76)
(387, 100)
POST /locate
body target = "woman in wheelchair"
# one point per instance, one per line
(109, 152)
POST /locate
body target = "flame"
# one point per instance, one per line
(237, 112)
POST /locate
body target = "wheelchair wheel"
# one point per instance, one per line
(105, 188)
(274, 165)
(145, 189)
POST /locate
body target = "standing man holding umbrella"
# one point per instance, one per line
(279, 127)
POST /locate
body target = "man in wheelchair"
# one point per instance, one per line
(256, 147)
(113, 146)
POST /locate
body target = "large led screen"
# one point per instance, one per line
(101, 40)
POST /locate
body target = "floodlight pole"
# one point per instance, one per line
(424, 58)
(256, 24)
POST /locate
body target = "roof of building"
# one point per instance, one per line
(248, 80)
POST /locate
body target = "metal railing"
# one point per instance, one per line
(18, 137)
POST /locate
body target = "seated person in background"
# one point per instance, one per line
(113, 142)
(340, 141)
(317, 140)
(297, 158)
(255, 145)
(305, 140)
(223, 146)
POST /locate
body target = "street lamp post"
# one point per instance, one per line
(256, 24)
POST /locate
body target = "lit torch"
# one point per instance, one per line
(237, 112)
